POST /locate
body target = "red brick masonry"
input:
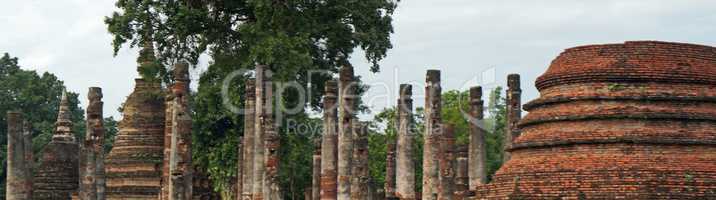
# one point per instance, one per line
(634, 120)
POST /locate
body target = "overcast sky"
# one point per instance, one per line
(471, 41)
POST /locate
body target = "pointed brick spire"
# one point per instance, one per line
(63, 126)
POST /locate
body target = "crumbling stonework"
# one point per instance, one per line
(329, 143)
(168, 112)
(260, 135)
(477, 151)
(316, 176)
(248, 141)
(632, 120)
(134, 164)
(433, 131)
(360, 180)
(272, 190)
(390, 169)
(180, 162)
(346, 112)
(57, 176)
(446, 187)
(92, 149)
(514, 113)
(405, 169)
(462, 179)
(19, 180)
(29, 154)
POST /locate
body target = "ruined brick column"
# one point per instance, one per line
(18, 185)
(316, 176)
(260, 136)
(29, 155)
(432, 132)
(168, 127)
(446, 188)
(92, 148)
(329, 144)
(390, 168)
(240, 169)
(405, 170)
(272, 146)
(180, 162)
(57, 176)
(360, 181)
(462, 179)
(249, 135)
(514, 112)
(477, 151)
(346, 88)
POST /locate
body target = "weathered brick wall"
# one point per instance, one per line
(134, 164)
(634, 120)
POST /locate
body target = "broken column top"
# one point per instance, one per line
(13, 117)
(331, 88)
(513, 81)
(476, 92)
(433, 76)
(346, 73)
(406, 90)
(95, 93)
(181, 71)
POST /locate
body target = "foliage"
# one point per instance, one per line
(454, 105)
(292, 37)
(37, 97)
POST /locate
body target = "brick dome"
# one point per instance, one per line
(634, 120)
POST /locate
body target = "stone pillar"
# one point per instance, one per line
(446, 188)
(405, 170)
(316, 178)
(462, 179)
(259, 137)
(477, 151)
(168, 126)
(360, 183)
(514, 112)
(180, 163)
(346, 108)
(432, 132)
(249, 135)
(29, 155)
(92, 147)
(390, 168)
(240, 169)
(271, 148)
(18, 184)
(329, 144)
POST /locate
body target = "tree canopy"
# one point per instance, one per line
(294, 38)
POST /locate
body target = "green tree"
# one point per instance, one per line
(292, 37)
(37, 97)
(455, 104)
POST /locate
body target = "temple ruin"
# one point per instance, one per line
(57, 175)
(617, 121)
(631, 120)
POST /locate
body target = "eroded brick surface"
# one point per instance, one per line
(631, 121)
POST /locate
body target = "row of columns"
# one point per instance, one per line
(448, 172)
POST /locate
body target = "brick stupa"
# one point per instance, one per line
(619, 121)
(133, 166)
(57, 176)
